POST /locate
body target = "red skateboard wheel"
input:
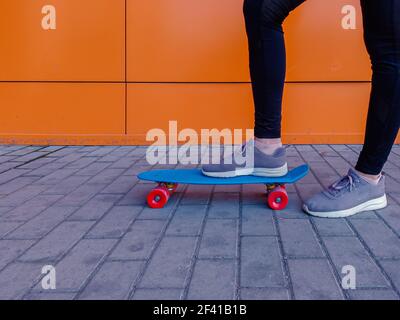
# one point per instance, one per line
(278, 199)
(158, 197)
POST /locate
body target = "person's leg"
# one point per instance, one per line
(363, 189)
(267, 55)
(382, 39)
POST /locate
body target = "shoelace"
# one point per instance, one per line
(346, 182)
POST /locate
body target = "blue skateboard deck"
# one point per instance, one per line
(195, 176)
(169, 179)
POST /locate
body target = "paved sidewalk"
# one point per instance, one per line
(82, 210)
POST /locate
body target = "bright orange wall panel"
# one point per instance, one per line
(88, 42)
(186, 40)
(205, 41)
(313, 112)
(61, 108)
(320, 49)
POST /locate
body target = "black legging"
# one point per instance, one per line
(381, 19)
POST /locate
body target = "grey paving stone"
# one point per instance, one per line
(51, 296)
(135, 169)
(350, 156)
(224, 205)
(170, 264)
(68, 158)
(93, 169)
(124, 163)
(309, 179)
(332, 227)
(220, 239)
(81, 195)
(157, 294)
(364, 215)
(17, 278)
(6, 227)
(392, 269)
(254, 194)
(313, 280)
(373, 294)
(379, 238)
(16, 184)
(338, 163)
(35, 164)
(19, 197)
(391, 215)
(22, 151)
(56, 176)
(306, 191)
(43, 223)
(96, 207)
(257, 221)
(115, 222)
(113, 281)
(68, 185)
(110, 158)
(102, 151)
(138, 242)
(395, 196)
(299, 239)
(6, 158)
(121, 185)
(11, 249)
(213, 280)
(264, 294)
(293, 209)
(80, 263)
(31, 208)
(227, 188)
(4, 209)
(88, 149)
(105, 177)
(5, 167)
(57, 242)
(52, 148)
(81, 163)
(45, 169)
(160, 214)
(325, 151)
(326, 175)
(136, 196)
(261, 264)
(349, 251)
(197, 194)
(391, 185)
(187, 220)
(139, 151)
(30, 157)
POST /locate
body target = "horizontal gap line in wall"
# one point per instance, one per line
(172, 82)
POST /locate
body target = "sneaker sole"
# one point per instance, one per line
(374, 204)
(261, 172)
(271, 172)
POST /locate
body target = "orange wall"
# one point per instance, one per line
(114, 69)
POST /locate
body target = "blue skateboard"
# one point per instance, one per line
(168, 181)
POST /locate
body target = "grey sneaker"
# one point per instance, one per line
(348, 196)
(274, 165)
